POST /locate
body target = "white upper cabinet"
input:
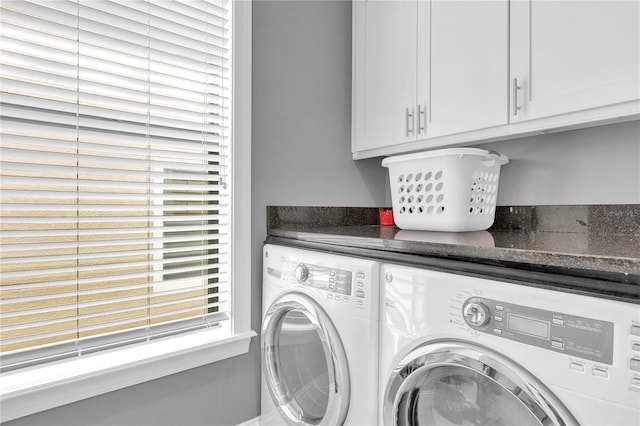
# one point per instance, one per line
(427, 68)
(433, 73)
(384, 65)
(569, 56)
(466, 66)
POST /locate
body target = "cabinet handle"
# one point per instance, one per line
(409, 115)
(421, 123)
(515, 96)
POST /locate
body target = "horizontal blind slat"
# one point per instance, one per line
(92, 299)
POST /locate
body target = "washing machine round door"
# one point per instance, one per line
(304, 362)
(460, 383)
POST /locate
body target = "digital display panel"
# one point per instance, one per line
(343, 282)
(333, 280)
(582, 337)
(529, 326)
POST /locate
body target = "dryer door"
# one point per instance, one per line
(453, 382)
(304, 362)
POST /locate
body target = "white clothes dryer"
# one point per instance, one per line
(319, 338)
(462, 350)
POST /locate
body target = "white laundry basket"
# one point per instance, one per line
(451, 190)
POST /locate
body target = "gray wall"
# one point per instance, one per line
(301, 132)
(599, 165)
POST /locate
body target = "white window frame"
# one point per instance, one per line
(31, 390)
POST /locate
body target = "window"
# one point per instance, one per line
(124, 176)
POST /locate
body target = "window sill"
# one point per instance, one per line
(44, 387)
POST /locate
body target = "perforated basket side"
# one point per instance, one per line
(483, 192)
(450, 193)
(420, 192)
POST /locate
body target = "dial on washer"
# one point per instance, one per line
(476, 314)
(301, 273)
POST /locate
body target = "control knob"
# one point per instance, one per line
(476, 314)
(301, 273)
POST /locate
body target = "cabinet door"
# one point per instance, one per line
(384, 67)
(467, 69)
(569, 56)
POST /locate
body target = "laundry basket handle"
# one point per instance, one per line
(492, 157)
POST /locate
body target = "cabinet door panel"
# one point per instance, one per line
(468, 66)
(574, 55)
(384, 73)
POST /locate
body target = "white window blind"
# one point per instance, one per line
(114, 165)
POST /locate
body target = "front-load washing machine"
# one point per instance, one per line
(465, 350)
(319, 338)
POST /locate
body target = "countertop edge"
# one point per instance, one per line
(590, 248)
(597, 263)
(615, 286)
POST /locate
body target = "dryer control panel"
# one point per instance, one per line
(329, 279)
(346, 284)
(581, 337)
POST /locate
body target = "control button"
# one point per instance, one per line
(337, 298)
(476, 314)
(360, 275)
(360, 284)
(576, 366)
(345, 299)
(635, 383)
(497, 318)
(635, 364)
(635, 330)
(332, 286)
(497, 331)
(557, 343)
(499, 308)
(332, 273)
(330, 296)
(301, 273)
(359, 293)
(600, 372)
(558, 321)
(636, 347)
(332, 280)
(359, 302)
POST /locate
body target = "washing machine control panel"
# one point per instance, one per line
(580, 337)
(333, 280)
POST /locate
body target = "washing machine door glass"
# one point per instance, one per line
(456, 383)
(304, 362)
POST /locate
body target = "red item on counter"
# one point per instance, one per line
(386, 217)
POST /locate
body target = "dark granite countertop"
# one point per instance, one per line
(594, 242)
